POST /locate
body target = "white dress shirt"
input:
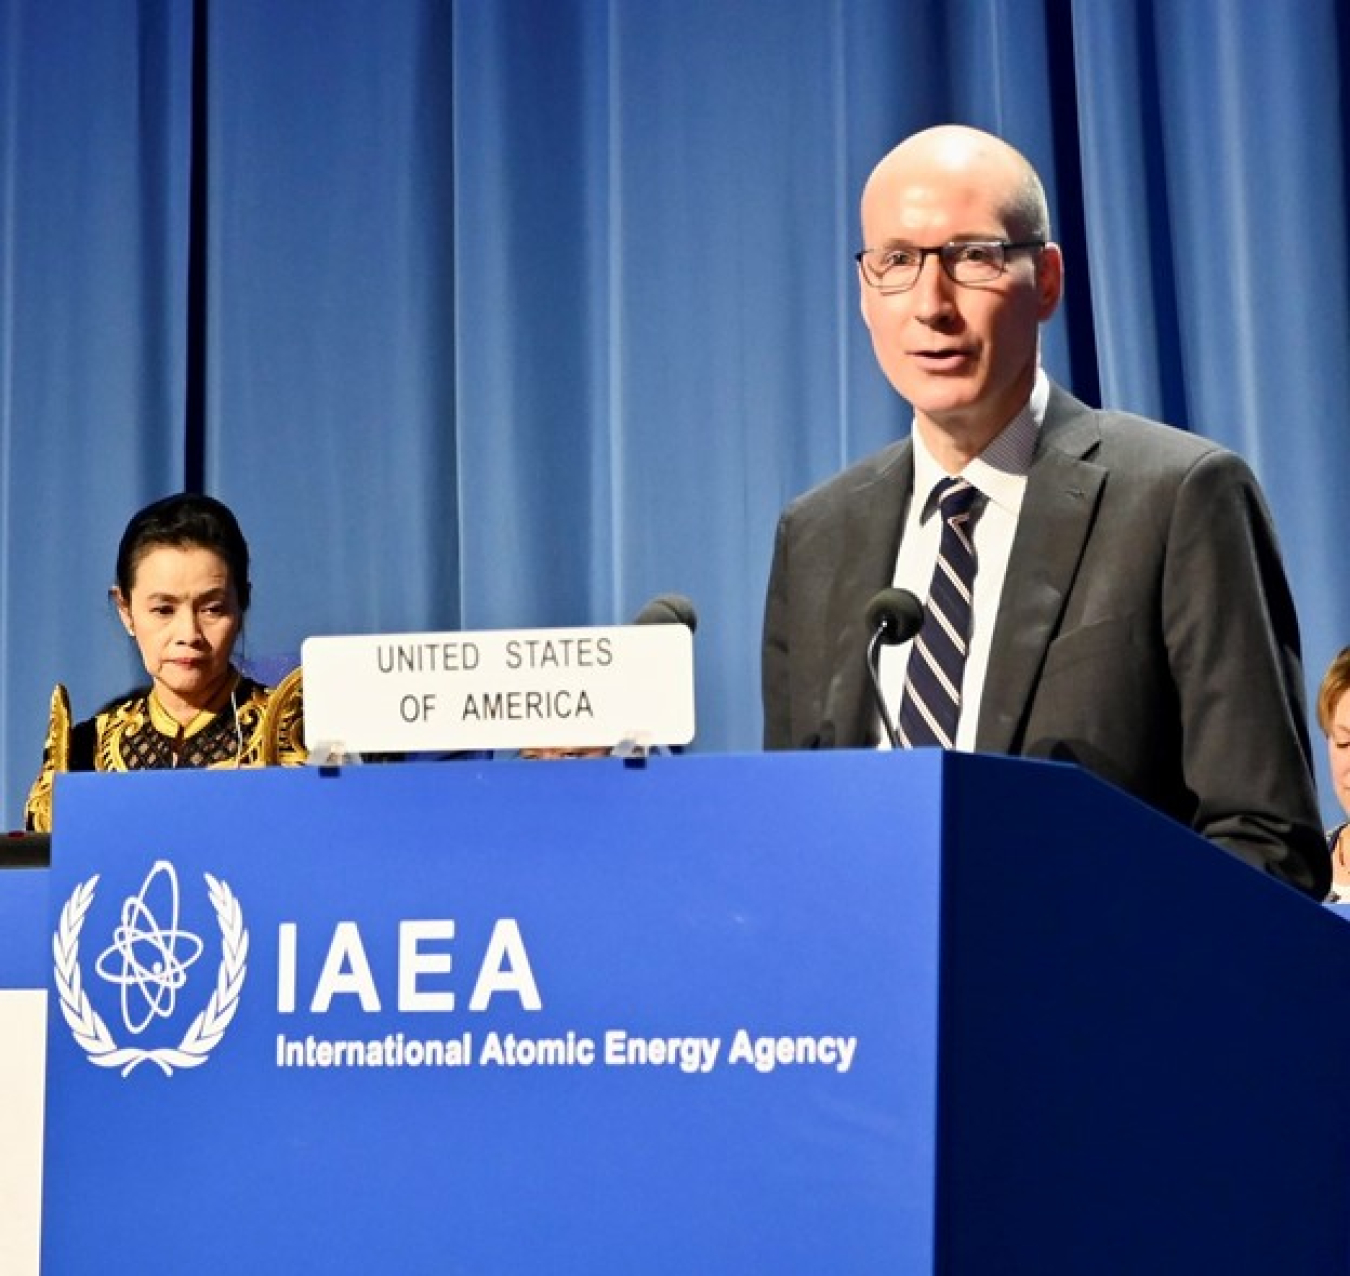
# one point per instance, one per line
(999, 474)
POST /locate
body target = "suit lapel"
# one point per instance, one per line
(870, 539)
(1060, 502)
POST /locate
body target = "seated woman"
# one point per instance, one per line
(1333, 716)
(181, 593)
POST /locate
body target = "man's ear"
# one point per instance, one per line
(862, 299)
(1049, 280)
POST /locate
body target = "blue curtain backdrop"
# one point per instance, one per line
(489, 313)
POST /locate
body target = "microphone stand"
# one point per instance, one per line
(873, 660)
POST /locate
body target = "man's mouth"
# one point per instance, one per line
(941, 358)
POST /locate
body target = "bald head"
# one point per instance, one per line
(955, 153)
(962, 350)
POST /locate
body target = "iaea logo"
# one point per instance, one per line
(150, 958)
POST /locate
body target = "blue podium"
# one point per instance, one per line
(838, 1012)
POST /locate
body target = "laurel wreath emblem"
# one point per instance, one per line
(204, 1032)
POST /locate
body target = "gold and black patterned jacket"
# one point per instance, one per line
(257, 727)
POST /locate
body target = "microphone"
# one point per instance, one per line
(668, 609)
(664, 609)
(893, 616)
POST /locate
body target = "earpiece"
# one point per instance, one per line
(238, 730)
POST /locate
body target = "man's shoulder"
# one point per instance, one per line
(891, 466)
(1126, 440)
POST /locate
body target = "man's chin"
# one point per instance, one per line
(951, 416)
(936, 395)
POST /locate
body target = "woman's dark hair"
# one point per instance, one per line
(185, 520)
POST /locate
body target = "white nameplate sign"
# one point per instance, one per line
(499, 689)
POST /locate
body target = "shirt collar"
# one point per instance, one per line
(999, 472)
(166, 724)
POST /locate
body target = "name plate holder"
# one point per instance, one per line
(620, 688)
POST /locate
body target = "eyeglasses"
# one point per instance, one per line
(970, 261)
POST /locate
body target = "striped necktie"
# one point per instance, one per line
(931, 705)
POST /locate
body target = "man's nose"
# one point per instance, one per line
(932, 290)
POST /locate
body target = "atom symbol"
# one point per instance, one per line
(149, 962)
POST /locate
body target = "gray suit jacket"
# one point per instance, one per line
(1146, 629)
